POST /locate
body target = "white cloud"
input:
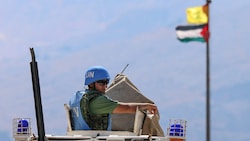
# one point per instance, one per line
(2, 37)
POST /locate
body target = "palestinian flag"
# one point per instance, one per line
(189, 33)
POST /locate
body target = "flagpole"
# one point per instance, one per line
(208, 80)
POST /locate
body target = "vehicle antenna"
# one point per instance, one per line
(37, 97)
(124, 68)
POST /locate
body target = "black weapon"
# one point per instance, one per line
(37, 97)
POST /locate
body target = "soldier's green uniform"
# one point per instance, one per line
(95, 108)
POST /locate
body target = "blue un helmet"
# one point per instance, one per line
(96, 73)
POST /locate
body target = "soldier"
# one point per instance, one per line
(96, 107)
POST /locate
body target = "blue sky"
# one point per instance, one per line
(70, 36)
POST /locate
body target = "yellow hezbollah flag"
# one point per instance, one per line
(197, 15)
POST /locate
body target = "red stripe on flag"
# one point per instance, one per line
(205, 33)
